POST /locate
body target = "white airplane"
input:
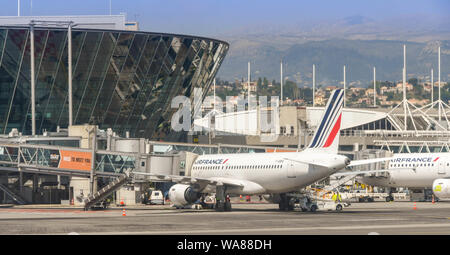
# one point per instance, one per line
(419, 170)
(265, 173)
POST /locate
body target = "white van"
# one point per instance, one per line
(156, 198)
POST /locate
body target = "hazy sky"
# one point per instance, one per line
(210, 17)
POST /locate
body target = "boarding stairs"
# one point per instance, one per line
(107, 190)
(19, 200)
(339, 182)
(319, 194)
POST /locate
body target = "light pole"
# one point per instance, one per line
(314, 85)
(281, 81)
(344, 85)
(374, 88)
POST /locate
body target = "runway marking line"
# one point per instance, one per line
(240, 230)
(49, 211)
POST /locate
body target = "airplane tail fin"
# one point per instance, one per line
(326, 136)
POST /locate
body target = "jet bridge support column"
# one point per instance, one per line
(20, 181)
(4, 181)
(83, 186)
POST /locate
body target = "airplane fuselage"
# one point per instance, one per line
(262, 173)
(420, 170)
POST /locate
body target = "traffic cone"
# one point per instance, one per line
(122, 203)
(432, 199)
(415, 208)
(123, 212)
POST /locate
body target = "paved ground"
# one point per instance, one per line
(360, 219)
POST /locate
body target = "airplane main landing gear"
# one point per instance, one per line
(223, 203)
(286, 203)
(223, 206)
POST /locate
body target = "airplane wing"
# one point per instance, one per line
(371, 171)
(194, 180)
(368, 161)
(201, 184)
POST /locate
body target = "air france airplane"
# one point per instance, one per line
(419, 170)
(265, 173)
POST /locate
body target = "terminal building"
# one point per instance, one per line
(123, 79)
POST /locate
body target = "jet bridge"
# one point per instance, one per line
(87, 164)
(70, 161)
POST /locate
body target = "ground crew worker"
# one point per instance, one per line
(334, 197)
(339, 197)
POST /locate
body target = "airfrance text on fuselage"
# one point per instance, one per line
(211, 161)
(413, 160)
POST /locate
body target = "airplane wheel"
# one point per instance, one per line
(291, 205)
(282, 206)
(227, 206)
(339, 208)
(313, 208)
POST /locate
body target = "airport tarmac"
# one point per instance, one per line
(398, 218)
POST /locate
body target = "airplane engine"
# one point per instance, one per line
(441, 188)
(182, 194)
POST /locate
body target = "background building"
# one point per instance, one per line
(122, 79)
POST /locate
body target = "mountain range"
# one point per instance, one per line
(357, 42)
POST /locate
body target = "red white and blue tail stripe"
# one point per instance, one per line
(326, 137)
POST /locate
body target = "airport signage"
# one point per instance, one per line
(73, 160)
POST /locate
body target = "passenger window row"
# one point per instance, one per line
(236, 167)
(413, 165)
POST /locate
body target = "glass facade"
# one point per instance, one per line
(123, 80)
